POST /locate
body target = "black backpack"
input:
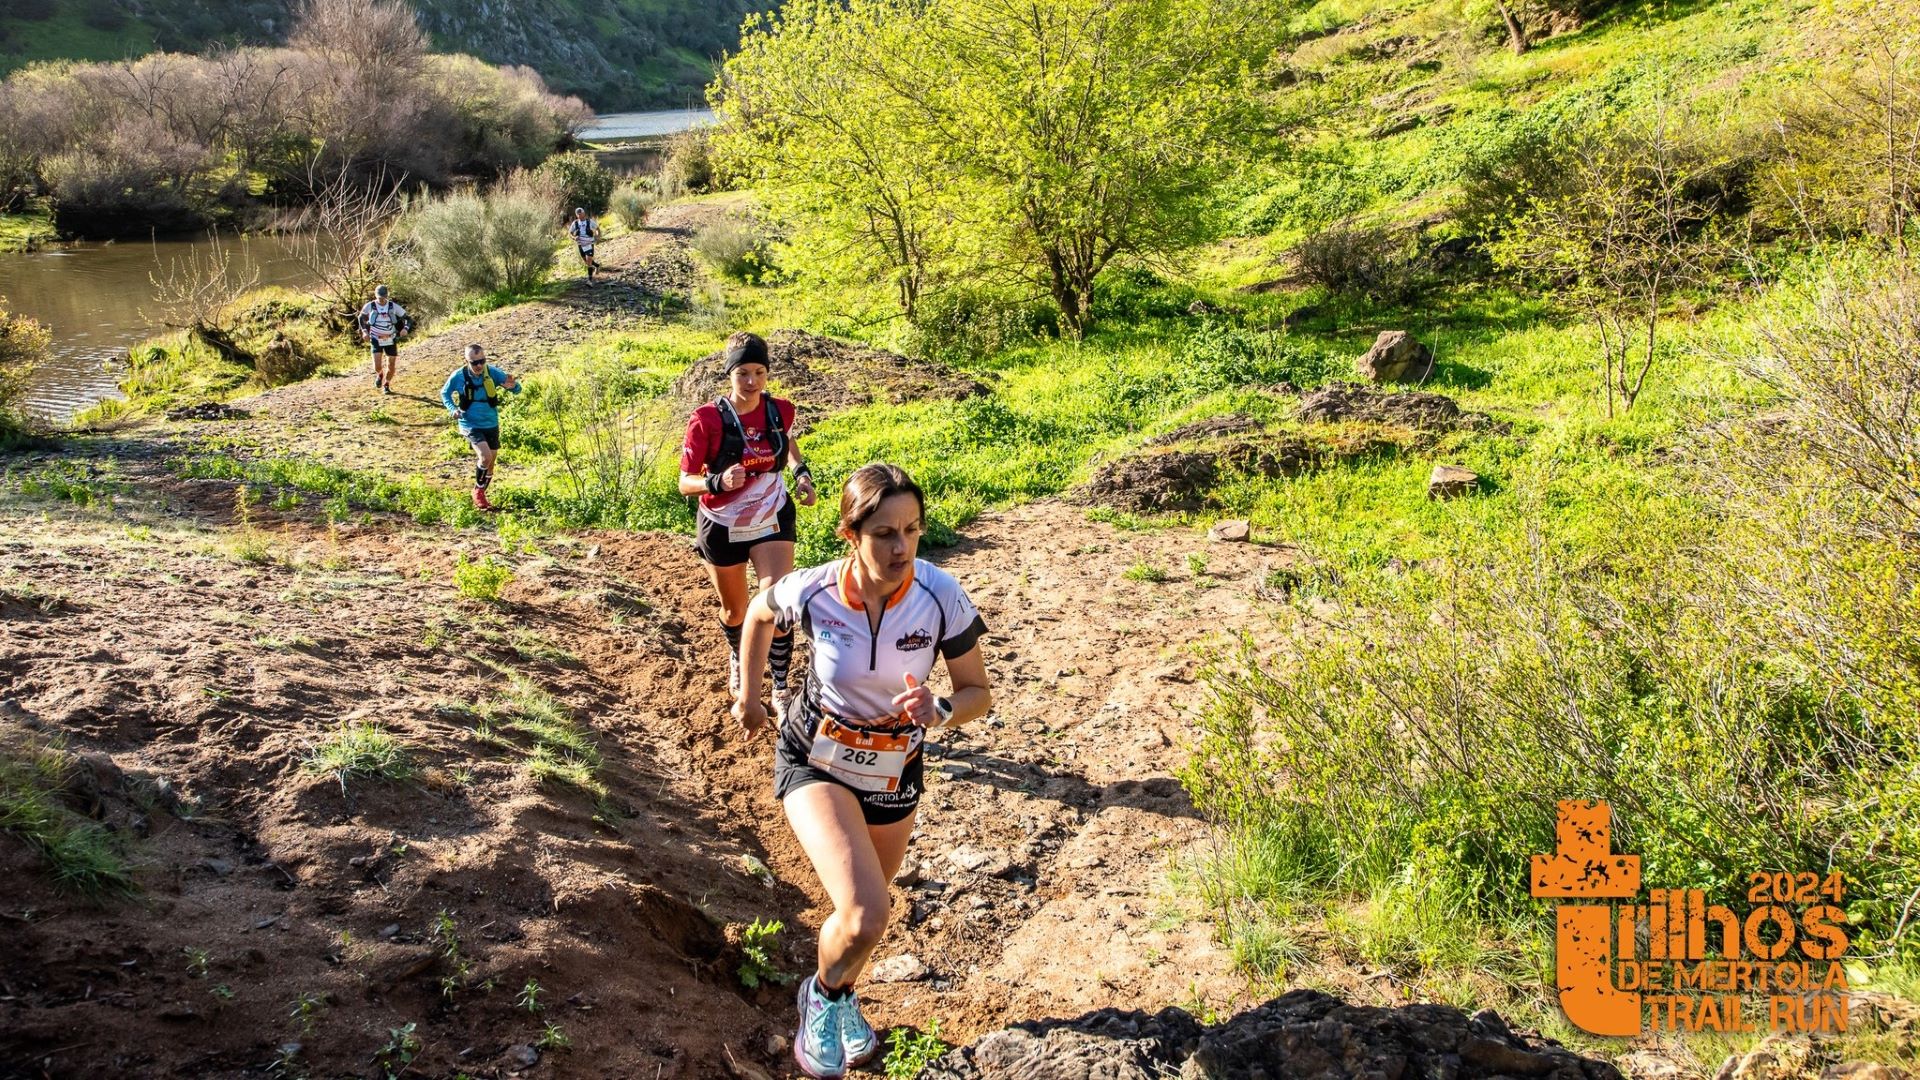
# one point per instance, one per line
(733, 435)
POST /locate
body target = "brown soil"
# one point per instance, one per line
(187, 670)
(823, 375)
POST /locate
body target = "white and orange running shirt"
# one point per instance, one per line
(856, 672)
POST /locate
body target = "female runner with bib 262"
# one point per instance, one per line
(848, 765)
(735, 450)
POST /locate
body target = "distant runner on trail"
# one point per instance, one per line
(848, 761)
(585, 232)
(472, 395)
(382, 323)
(736, 448)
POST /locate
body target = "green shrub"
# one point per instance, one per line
(502, 241)
(632, 202)
(578, 179)
(23, 345)
(962, 324)
(735, 247)
(482, 579)
(1368, 260)
(689, 167)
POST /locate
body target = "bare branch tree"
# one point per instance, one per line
(344, 235)
(195, 292)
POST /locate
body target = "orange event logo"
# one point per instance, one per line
(1608, 988)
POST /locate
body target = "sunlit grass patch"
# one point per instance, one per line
(362, 750)
(81, 855)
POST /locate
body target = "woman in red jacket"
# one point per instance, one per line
(737, 446)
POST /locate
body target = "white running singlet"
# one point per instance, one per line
(857, 672)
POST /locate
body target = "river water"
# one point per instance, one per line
(98, 299)
(635, 125)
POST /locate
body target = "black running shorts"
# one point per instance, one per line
(485, 436)
(791, 771)
(390, 348)
(710, 538)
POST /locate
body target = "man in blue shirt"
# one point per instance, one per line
(472, 395)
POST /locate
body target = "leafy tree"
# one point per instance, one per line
(1625, 227)
(1032, 140)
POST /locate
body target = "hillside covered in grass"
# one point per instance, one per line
(616, 54)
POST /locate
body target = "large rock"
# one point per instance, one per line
(1342, 402)
(1395, 357)
(1303, 1035)
(1451, 482)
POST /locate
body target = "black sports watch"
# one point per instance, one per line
(944, 710)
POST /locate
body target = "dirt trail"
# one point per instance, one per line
(197, 658)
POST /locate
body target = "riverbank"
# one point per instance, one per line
(29, 231)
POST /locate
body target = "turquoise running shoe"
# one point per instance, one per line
(858, 1040)
(816, 1046)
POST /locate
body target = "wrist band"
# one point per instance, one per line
(943, 709)
(714, 484)
(805, 470)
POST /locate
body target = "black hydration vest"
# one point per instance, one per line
(733, 436)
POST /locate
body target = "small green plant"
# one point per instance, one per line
(363, 750)
(305, 1008)
(909, 1052)
(482, 579)
(223, 992)
(286, 500)
(553, 1038)
(757, 943)
(1144, 571)
(402, 1047)
(529, 998)
(1197, 564)
(459, 968)
(196, 962)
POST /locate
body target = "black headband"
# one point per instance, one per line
(749, 349)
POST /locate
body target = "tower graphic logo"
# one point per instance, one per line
(1705, 966)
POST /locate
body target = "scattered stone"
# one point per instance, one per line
(909, 875)
(1651, 1065)
(207, 410)
(1230, 532)
(178, 1010)
(1395, 357)
(975, 860)
(523, 1055)
(218, 867)
(1086, 862)
(955, 770)
(390, 930)
(264, 923)
(905, 967)
(776, 1045)
(1302, 1035)
(1778, 1057)
(1452, 481)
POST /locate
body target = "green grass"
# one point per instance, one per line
(362, 750)
(481, 579)
(26, 231)
(80, 855)
(557, 748)
(909, 1052)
